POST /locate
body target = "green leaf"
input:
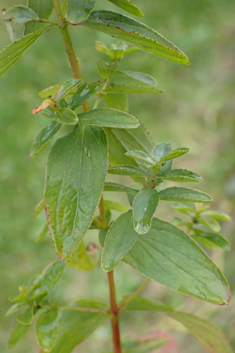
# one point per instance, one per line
(76, 326)
(47, 328)
(183, 207)
(107, 71)
(128, 88)
(43, 138)
(216, 214)
(181, 175)
(169, 256)
(38, 209)
(72, 190)
(141, 156)
(27, 317)
(14, 308)
(174, 154)
(102, 235)
(78, 10)
(49, 91)
(108, 186)
(144, 304)
(19, 298)
(184, 194)
(43, 8)
(144, 206)
(116, 101)
(147, 346)
(20, 14)
(160, 150)
(18, 334)
(13, 52)
(83, 93)
(63, 116)
(109, 117)
(136, 33)
(119, 240)
(82, 260)
(129, 170)
(66, 87)
(128, 7)
(112, 205)
(210, 240)
(209, 335)
(42, 232)
(139, 76)
(210, 223)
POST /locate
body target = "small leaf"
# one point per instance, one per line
(128, 170)
(19, 298)
(83, 93)
(144, 206)
(38, 209)
(82, 260)
(184, 194)
(128, 7)
(216, 214)
(42, 232)
(119, 240)
(47, 328)
(78, 10)
(210, 223)
(13, 52)
(139, 76)
(160, 150)
(107, 71)
(18, 334)
(128, 88)
(27, 317)
(102, 235)
(112, 205)
(174, 154)
(209, 335)
(108, 186)
(49, 91)
(14, 308)
(116, 101)
(181, 175)
(109, 117)
(20, 14)
(141, 156)
(169, 256)
(210, 240)
(183, 207)
(63, 116)
(66, 87)
(144, 304)
(43, 138)
(43, 8)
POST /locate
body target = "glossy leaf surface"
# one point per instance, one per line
(13, 52)
(128, 7)
(83, 93)
(18, 334)
(66, 87)
(109, 186)
(119, 240)
(70, 200)
(169, 256)
(209, 335)
(136, 33)
(44, 137)
(20, 14)
(184, 194)
(181, 175)
(109, 117)
(43, 8)
(78, 10)
(139, 76)
(26, 317)
(144, 206)
(47, 328)
(129, 170)
(144, 304)
(82, 260)
(128, 88)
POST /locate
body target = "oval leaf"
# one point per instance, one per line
(169, 256)
(184, 194)
(216, 214)
(82, 94)
(108, 186)
(49, 91)
(174, 154)
(129, 170)
(63, 116)
(107, 71)
(181, 175)
(82, 260)
(18, 334)
(14, 308)
(210, 240)
(127, 88)
(46, 329)
(72, 190)
(20, 14)
(128, 7)
(43, 8)
(27, 317)
(66, 87)
(78, 10)
(42, 232)
(139, 76)
(38, 209)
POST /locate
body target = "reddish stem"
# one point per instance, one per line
(115, 315)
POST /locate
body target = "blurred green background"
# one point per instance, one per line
(196, 111)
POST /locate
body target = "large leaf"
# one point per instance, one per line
(176, 193)
(78, 10)
(109, 117)
(119, 240)
(76, 326)
(144, 206)
(209, 335)
(144, 304)
(139, 76)
(18, 334)
(136, 33)
(44, 137)
(13, 52)
(74, 182)
(128, 88)
(169, 256)
(43, 8)
(47, 328)
(128, 7)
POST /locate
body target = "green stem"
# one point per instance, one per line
(100, 96)
(115, 315)
(129, 299)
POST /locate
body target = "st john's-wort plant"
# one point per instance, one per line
(107, 139)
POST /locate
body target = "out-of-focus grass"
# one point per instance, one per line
(196, 110)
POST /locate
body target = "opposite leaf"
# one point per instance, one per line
(139, 76)
(46, 329)
(72, 188)
(78, 10)
(184, 194)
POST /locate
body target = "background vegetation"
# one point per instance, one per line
(196, 111)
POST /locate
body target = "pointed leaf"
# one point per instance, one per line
(42, 232)
(109, 117)
(128, 88)
(82, 260)
(79, 10)
(216, 214)
(47, 328)
(119, 240)
(72, 191)
(13, 52)
(209, 335)
(141, 156)
(169, 256)
(136, 33)
(184, 194)
(49, 91)
(116, 101)
(20, 14)
(144, 206)
(27, 317)
(43, 138)
(83, 93)
(183, 207)
(66, 87)
(174, 154)
(108, 186)
(211, 240)
(181, 175)
(14, 308)
(128, 7)
(43, 8)
(139, 76)
(113, 205)
(144, 304)
(129, 170)
(210, 223)
(160, 150)
(63, 116)
(18, 334)
(107, 71)
(38, 209)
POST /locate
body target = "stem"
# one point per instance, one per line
(134, 295)
(115, 315)
(63, 26)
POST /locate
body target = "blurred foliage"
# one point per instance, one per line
(196, 111)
